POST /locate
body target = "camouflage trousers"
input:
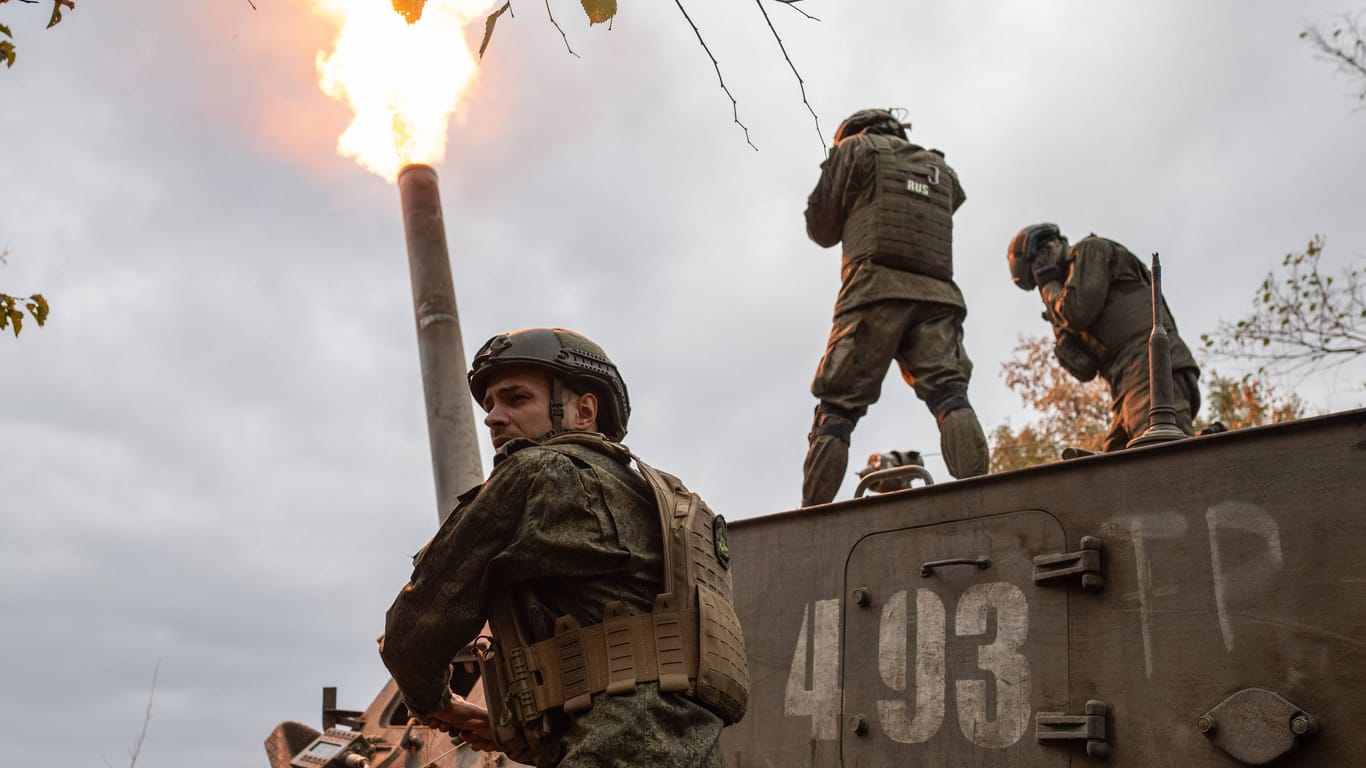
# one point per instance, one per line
(1131, 400)
(647, 728)
(926, 341)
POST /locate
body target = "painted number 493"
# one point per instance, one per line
(813, 681)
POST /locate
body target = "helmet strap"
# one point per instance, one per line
(556, 406)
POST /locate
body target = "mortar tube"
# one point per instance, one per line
(456, 465)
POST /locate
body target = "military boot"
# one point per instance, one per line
(963, 443)
(826, 460)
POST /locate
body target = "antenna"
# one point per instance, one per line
(1161, 413)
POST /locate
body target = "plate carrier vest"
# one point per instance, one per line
(690, 642)
(908, 224)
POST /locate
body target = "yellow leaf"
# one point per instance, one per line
(599, 10)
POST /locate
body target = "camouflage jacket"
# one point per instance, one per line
(845, 186)
(1108, 296)
(559, 532)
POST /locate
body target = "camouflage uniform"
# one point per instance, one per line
(560, 529)
(906, 309)
(1107, 297)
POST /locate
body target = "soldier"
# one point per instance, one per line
(561, 551)
(1098, 298)
(891, 203)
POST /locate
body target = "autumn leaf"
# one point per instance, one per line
(7, 52)
(599, 10)
(410, 10)
(57, 11)
(37, 306)
(488, 26)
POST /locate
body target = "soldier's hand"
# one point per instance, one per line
(1050, 273)
(460, 715)
(478, 741)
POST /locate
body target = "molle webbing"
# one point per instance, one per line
(690, 641)
(613, 657)
(908, 224)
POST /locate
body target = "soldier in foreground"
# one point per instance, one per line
(561, 551)
(891, 203)
(1098, 298)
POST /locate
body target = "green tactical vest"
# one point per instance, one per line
(908, 224)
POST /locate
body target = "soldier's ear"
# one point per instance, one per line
(581, 413)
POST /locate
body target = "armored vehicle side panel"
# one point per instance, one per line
(1197, 603)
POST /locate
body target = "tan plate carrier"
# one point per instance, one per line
(690, 642)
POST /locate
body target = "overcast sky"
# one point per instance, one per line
(214, 456)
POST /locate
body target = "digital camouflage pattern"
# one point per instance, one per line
(1108, 296)
(558, 534)
(886, 313)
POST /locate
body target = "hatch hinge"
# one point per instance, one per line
(1058, 727)
(1084, 563)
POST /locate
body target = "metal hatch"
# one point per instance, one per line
(951, 648)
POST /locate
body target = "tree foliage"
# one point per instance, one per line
(7, 49)
(1075, 414)
(12, 316)
(1344, 44)
(1247, 402)
(1302, 318)
(1070, 412)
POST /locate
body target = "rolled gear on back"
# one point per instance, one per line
(690, 642)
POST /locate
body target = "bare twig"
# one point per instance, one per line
(1302, 319)
(801, 84)
(793, 5)
(146, 719)
(549, 13)
(734, 105)
(1345, 45)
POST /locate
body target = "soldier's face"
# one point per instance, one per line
(518, 405)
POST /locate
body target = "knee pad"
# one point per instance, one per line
(832, 421)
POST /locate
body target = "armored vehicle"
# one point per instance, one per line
(1195, 603)
(1191, 602)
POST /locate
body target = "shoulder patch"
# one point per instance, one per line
(720, 541)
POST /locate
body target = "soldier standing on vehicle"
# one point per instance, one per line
(1098, 298)
(891, 203)
(591, 607)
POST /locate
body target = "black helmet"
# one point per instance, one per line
(1024, 249)
(566, 355)
(871, 121)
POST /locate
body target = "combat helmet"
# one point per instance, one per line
(872, 121)
(567, 356)
(1024, 249)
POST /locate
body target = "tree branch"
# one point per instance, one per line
(1300, 319)
(734, 105)
(563, 36)
(793, 5)
(801, 84)
(1351, 58)
(146, 719)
